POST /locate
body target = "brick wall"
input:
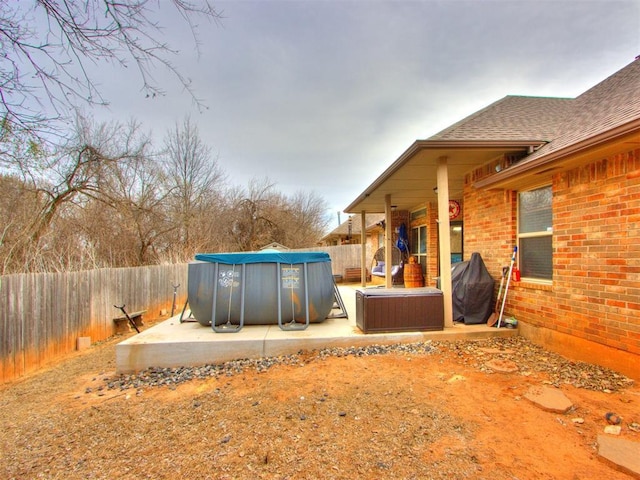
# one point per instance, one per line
(430, 221)
(596, 272)
(490, 226)
(595, 296)
(398, 217)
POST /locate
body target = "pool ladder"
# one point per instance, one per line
(293, 324)
(289, 325)
(228, 327)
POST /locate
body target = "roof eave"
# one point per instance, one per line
(419, 145)
(508, 176)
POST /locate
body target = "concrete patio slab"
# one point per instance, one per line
(175, 344)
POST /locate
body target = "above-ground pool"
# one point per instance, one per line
(291, 289)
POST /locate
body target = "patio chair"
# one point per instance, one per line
(378, 267)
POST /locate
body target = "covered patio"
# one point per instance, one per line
(174, 344)
(433, 171)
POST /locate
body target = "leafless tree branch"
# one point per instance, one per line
(49, 50)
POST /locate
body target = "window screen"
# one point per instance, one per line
(535, 211)
(535, 256)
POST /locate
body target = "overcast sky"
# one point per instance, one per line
(325, 95)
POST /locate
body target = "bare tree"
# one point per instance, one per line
(262, 215)
(57, 183)
(103, 199)
(248, 219)
(49, 50)
(302, 219)
(194, 181)
(140, 221)
(82, 166)
(16, 206)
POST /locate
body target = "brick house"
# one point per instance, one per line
(559, 178)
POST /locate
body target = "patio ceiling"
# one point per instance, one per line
(411, 179)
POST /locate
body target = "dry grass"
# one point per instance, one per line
(438, 415)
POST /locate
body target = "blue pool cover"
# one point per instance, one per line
(266, 256)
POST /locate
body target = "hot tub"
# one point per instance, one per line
(259, 288)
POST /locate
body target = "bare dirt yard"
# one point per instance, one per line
(432, 410)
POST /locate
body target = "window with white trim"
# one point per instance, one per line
(535, 232)
(418, 245)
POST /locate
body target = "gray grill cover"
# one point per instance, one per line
(472, 291)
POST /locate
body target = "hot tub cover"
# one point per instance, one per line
(265, 256)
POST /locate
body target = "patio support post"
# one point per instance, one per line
(363, 248)
(445, 241)
(387, 242)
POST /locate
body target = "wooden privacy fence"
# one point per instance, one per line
(344, 256)
(43, 314)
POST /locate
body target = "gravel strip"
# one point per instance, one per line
(531, 358)
(528, 357)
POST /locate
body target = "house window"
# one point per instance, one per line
(535, 232)
(418, 245)
(455, 235)
(456, 243)
(416, 214)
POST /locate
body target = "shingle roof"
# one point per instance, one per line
(561, 122)
(356, 224)
(512, 118)
(612, 103)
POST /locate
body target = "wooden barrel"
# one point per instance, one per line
(413, 275)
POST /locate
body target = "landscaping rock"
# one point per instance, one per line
(549, 399)
(456, 378)
(527, 356)
(502, 366)
(613, 419)
(620, 453)
(496, 351)
(613, 429)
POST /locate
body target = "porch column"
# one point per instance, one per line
(445, 242)
(363, 253)
(387, 242)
